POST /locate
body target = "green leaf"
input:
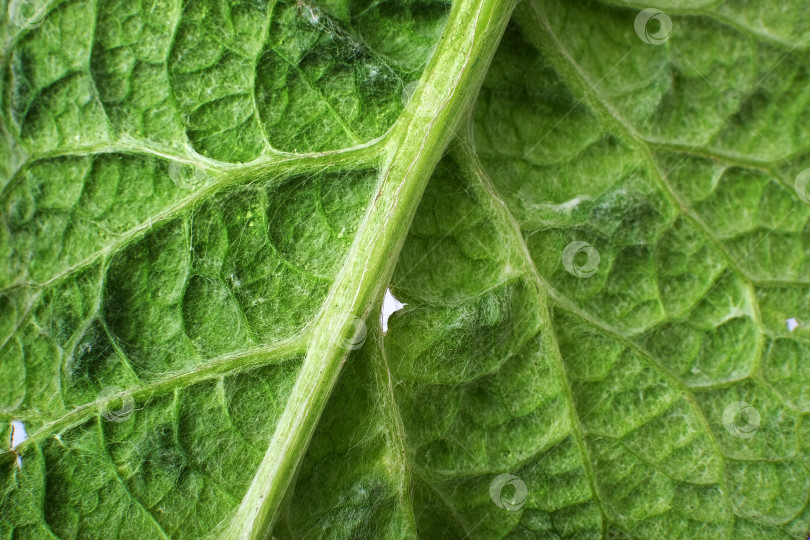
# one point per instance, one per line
(603, 257)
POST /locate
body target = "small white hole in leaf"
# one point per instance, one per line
(390, 305)
(18, 433)
(792, 324)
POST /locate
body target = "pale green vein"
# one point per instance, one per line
(467, 160)
(414, 148)
(232, 362)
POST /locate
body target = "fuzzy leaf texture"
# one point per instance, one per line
(596, 215)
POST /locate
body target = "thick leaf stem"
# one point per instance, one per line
(413, 148)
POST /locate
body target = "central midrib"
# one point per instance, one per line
(413, 148)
